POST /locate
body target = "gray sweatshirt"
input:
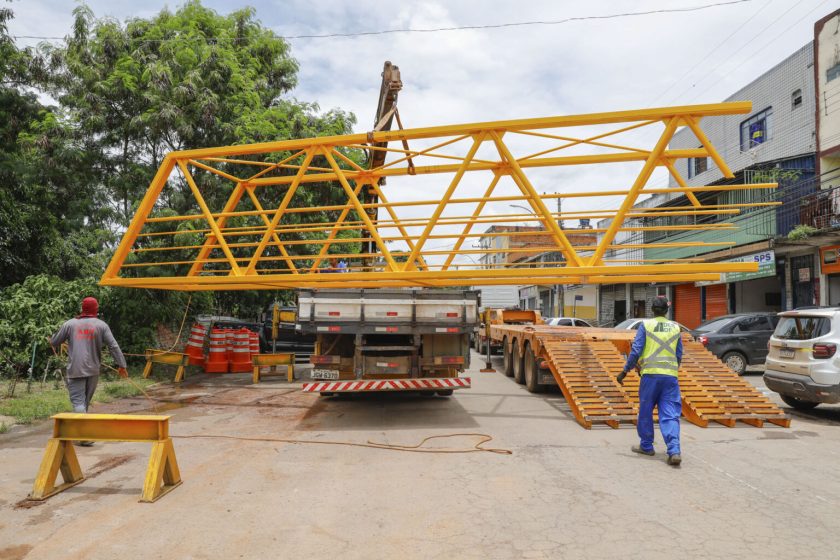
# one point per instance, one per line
(85, 338)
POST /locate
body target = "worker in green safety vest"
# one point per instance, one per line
(657, 351)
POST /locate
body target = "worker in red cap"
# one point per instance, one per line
(85, 334)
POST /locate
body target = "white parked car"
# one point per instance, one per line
(566, 322)
(803, 364)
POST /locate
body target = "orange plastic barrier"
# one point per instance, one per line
(195, 345)
(217, 359)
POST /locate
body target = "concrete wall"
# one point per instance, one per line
(792, 130)
(750, 294)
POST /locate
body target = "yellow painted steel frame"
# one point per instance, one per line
(162, 474)
(263, 237)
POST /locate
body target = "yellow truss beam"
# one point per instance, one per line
(224, 260)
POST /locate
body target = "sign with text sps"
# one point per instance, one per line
(766, 267)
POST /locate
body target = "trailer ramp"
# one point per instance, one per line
(585, 368)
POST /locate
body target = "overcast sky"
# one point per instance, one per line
(492, 74)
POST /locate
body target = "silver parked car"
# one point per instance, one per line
(803, 364)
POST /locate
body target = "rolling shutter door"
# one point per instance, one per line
(687, 305)
(716, 301)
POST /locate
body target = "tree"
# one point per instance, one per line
(48, 217)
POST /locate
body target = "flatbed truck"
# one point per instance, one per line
(388, 339)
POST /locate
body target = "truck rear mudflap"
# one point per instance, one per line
(370, 385)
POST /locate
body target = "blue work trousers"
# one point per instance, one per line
(663, 392)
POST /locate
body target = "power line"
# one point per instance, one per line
(442, 29)
(710, 53)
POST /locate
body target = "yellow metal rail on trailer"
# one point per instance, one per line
(254, 229)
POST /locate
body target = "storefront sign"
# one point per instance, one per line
(805, 274)
(830, 259)
(766, 267)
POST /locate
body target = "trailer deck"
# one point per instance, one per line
(585, 363)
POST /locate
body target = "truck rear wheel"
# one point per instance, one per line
(532, 375)
(507, 360)
(445, 393)
(518, 373)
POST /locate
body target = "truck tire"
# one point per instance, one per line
(325, 394)
(532, 374)
(798, 404)
(518, 373)
(445, 393)
(507, 359)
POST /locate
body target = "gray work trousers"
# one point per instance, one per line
(81, 391)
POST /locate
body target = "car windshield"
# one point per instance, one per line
(626, 324)
(801, 328)
(714, 325)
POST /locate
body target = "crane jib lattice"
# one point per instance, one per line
(273, 215)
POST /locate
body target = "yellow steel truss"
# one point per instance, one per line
(265, 235)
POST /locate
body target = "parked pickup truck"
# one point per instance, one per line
(388, 339)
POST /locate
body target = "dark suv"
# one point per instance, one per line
(739, 340)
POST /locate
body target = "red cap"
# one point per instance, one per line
(90, 307)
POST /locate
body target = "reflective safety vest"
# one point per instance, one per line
(659, 355)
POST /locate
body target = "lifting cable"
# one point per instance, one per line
(418, 448)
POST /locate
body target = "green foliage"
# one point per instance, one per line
(35, 309)
(776, 175)
(802, 231)
(27, 407)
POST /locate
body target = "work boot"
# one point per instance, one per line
(674, 460)
(639, 450)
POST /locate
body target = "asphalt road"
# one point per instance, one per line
(565, 492)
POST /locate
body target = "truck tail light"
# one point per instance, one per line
(439, 360)
(321, 360)
(823, 351)
(704, 340)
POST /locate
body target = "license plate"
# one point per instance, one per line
(787, 352)
(324, 374)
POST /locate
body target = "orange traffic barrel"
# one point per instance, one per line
(255, 343)
(217, 360)
(229, 337)
(241, 351)
(195, 344)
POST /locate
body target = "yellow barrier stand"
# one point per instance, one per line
(162, 474)
(263, 360)
(169, 358)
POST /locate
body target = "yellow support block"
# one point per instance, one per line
(162, 474)
(264, 360)
(169, 358)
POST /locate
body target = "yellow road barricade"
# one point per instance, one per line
(169, 358)
(162, 474)
(263, 360)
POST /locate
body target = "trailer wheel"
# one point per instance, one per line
(445, 393)
(507, 359)
(532, 376)
(518, 373)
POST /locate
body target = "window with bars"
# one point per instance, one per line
(796, 99)
(756, 129)
(696, 166)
